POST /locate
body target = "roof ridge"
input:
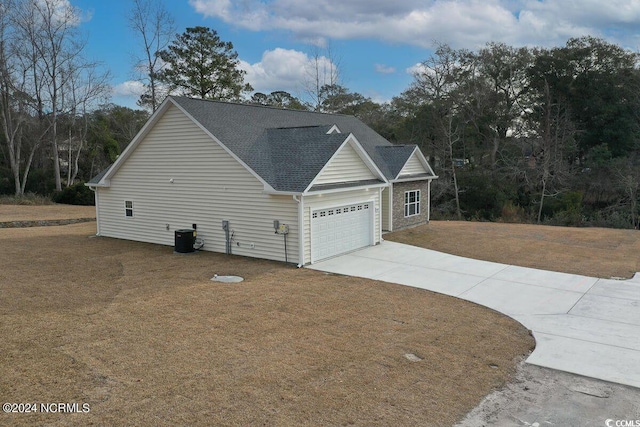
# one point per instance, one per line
(270, 107)
(397, 145)
(300, 127)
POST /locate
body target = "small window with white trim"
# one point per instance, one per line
(411, 203)
(128, 208)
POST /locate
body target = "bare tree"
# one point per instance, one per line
(85, 87)
(49, 27)
(14, 101)
(437, 87)
(155, 27)
(322, 73)
(51, 54)
(556, 136)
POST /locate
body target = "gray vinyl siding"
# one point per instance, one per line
(346, 165)
(312, 203)
(209, 185)
(413, 167)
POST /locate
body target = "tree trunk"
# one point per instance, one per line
(494, 151)
(546, 148)
(56, 163)
(455, 188)
(27, 167)
(544, 189)
(453, 169)
(13, 144)
(15, 168)
(69, 160)
(75, 162)
(54, 136)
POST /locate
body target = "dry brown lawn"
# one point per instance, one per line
(53, 212)
(145, 338)
(596, 252)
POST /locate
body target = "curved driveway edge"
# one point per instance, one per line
(581, 324)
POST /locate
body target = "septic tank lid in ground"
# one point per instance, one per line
(227, 279)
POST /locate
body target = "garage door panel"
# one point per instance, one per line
(339, 230)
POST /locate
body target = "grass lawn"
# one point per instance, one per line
(9, 213)
(595, 252)
(145, 338)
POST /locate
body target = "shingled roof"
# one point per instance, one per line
(239, 126)
(287, 148)
(395, 157)
(290, 158)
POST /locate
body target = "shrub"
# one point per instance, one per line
(77, 194)
(610, 218)
(26, 199)
(567, 210)
(512, 213)
(480, 198)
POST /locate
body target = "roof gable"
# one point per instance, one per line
(413, 166)
(346, 165)
(406, 161)
(104, 177)
(290, 158)
(104, 180)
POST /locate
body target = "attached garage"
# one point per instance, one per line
(341, 229)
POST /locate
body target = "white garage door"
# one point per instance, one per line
(338, 230)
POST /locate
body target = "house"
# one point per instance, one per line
(293, 185)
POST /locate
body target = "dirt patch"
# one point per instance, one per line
(146, 338)
(544, 397)
(595, 252)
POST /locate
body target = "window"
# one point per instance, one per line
(128, 208)
(411, 203)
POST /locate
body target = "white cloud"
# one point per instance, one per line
(61, 12)
(418, 68)
(468, 23)
(283, 69)
(384, 69)
(128, 88)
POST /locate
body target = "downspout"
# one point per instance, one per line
(390, 207)
(428, 201)
(300, 202)
(380, 210)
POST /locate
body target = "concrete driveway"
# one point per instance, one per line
(582, 325)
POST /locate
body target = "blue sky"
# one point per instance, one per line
(376, 42)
